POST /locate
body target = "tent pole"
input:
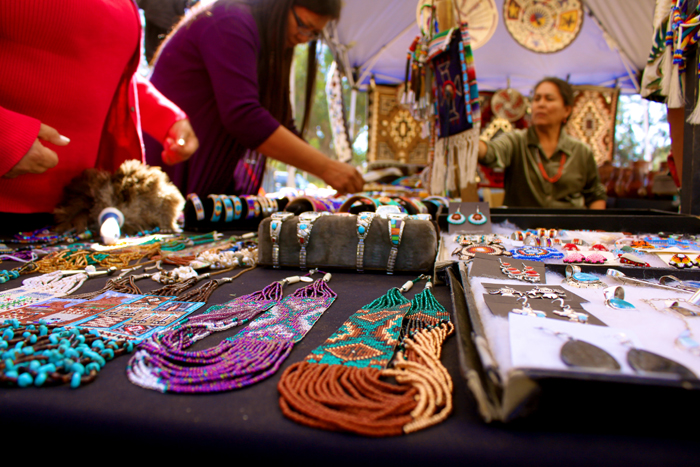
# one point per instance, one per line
(353, 106)
(373, 59)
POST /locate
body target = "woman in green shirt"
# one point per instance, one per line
(544, 166)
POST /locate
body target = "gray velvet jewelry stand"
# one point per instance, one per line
(333, 244)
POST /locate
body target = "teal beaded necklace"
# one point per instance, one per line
(49, 355)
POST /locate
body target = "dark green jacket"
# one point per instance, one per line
(516, 152)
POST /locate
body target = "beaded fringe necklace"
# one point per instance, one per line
(339, 388)
(35, 289)
(162, 364)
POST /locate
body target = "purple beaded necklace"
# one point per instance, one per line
(162, 363)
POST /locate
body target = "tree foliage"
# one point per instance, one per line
(630, 132)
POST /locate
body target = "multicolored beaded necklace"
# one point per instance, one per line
(338, 386)
(162, 364)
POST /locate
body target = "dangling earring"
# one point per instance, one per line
(477, 218)
(456, 218)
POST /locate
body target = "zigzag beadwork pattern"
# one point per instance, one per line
(367, 339)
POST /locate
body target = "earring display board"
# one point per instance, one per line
(592, 119)
(472, 218)
(333, 240)
(394, 135)
(521, 345)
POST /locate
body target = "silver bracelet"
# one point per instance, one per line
(364, 222)
(396, 225)
(306, 223)
(278, 219)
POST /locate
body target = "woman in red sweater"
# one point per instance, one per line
(70, 99)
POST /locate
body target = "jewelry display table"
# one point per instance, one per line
(613, 426)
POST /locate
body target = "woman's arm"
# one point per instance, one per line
(165, 122)
(597, 204)
(285, 146)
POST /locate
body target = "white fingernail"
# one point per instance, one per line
(64, 139)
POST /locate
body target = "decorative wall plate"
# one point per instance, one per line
(508, 104)
(481, 15)
(543, 26)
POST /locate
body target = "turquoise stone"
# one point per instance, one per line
(40, 379)
(78, 368)
(274, 225)
(361, 229)
(24, 380)
(302, 226)
(75, 380)
(585, 277)
(619, 303)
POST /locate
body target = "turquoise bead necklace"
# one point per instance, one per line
(48, 355)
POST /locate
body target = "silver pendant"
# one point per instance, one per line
(643, 361)
(581, 354)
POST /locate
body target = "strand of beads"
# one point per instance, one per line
(47, 237)
(49, 355)
(68, 260)
(6, 275)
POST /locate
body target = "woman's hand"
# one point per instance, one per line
(285, 146)
(344, 178)
(180, 143)
(39, 158)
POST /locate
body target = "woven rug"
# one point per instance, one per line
(593, 119)
(394, 135)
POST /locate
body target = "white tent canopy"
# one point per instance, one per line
(372, 38)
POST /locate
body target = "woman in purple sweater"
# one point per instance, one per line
(227, 66)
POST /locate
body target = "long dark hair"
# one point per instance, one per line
(275, 59)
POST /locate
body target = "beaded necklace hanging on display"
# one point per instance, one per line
(338, 386)
(50, 355)
(162, 364)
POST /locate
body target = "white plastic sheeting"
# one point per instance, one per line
(372, 38)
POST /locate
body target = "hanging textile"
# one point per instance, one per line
(336, 114)
(592, 119)
(395, 136)
(457, 107)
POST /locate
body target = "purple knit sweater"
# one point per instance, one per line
(209, 69)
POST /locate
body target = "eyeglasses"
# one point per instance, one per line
(304, 29)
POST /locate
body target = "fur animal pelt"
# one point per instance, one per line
(142, 193)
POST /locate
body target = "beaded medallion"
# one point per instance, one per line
(536, 253)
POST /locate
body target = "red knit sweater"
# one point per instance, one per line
(71, 65)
